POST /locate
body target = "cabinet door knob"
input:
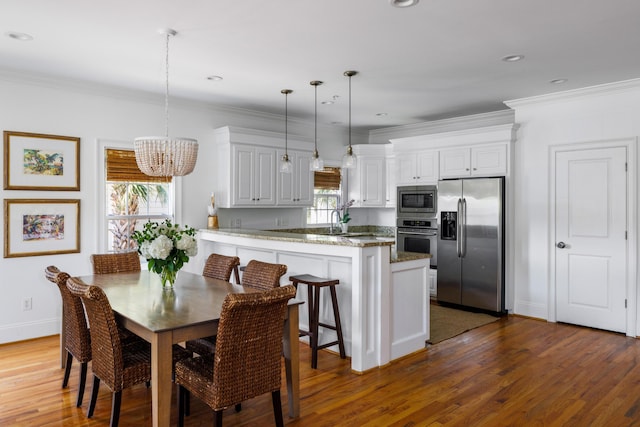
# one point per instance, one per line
(475, 169)
(467, 169)
(418, 177)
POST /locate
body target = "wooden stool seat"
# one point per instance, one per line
(314, 284)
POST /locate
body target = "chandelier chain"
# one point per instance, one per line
(166, 93)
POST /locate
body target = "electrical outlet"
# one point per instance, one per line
(26, 304)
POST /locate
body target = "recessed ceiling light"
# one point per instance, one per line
(24, 37)
(214, 78)
(327, 102)
(558, 81)
(403, 3)
(513, 58)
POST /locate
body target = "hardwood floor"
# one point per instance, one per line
(514, 372)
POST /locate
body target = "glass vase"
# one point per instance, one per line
(168, 276)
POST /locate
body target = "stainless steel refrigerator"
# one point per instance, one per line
(471, 243)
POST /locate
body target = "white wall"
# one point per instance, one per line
(593, 114)
(108, 114)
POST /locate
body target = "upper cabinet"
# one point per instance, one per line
(390, 182)
(367, 182)
(483, 151)
(417, 167)
(248, 174)
(253, 176)
(474, 161)
(296, 188)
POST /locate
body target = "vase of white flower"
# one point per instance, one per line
(167, 247)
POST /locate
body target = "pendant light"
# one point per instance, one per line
(317, 164)
(164, 156)
(285, 163)
(349, 159)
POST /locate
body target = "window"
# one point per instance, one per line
(132, 198)
(326, 196)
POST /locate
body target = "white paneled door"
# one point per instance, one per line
(590, 237)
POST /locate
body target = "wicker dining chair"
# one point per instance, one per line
(115, 262)
(221, 266)
(247, 361)
(77, 341)
(257, 274)
(263, 275)
(117, 363)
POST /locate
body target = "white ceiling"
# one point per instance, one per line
(439, 59)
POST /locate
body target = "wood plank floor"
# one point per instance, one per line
(514, 372)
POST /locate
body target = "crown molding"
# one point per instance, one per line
(576, 94)
(384, 135)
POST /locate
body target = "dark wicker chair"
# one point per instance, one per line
(263, 275)
(221, 266)
(217, 267)
(247, 361)
(117, 363)
(115, 262)
(77, 340)
(257, 274)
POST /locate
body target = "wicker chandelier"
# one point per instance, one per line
(164, 156)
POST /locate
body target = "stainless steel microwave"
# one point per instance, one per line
(417, 200)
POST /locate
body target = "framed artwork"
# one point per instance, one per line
(34, 161)
(41, 227)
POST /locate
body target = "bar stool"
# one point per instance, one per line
(314, 313)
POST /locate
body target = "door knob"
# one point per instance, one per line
(561, 245)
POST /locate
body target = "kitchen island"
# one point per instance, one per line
(383, 299)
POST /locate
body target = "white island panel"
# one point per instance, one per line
(365, 293)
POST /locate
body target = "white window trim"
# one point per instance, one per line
(103, 144)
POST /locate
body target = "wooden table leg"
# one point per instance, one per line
(161, 386)
(292, 360)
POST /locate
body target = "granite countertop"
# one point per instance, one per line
(360, 237)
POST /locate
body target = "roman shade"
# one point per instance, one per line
(122, 166)
(327, 179)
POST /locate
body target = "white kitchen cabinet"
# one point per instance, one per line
(433, 283)
(417, 168)
(390, 182)
(253, 176)
(295, 188)
(367, 181)
(473, 161)
(248, 173)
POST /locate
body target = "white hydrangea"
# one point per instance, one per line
(144, 249)
(160, 247)
(187, 244)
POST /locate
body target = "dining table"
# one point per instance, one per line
(190, 309)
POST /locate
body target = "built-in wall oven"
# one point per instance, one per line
(418, 235)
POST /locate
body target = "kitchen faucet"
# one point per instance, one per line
(337, 212)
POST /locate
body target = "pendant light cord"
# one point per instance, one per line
(166, 96)
(286, 123)
(350, 111)
(315, 121)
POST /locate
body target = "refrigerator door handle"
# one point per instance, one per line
(463, 238)
(459, 230)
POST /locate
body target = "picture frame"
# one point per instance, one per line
(35, 161)
(35, 227)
